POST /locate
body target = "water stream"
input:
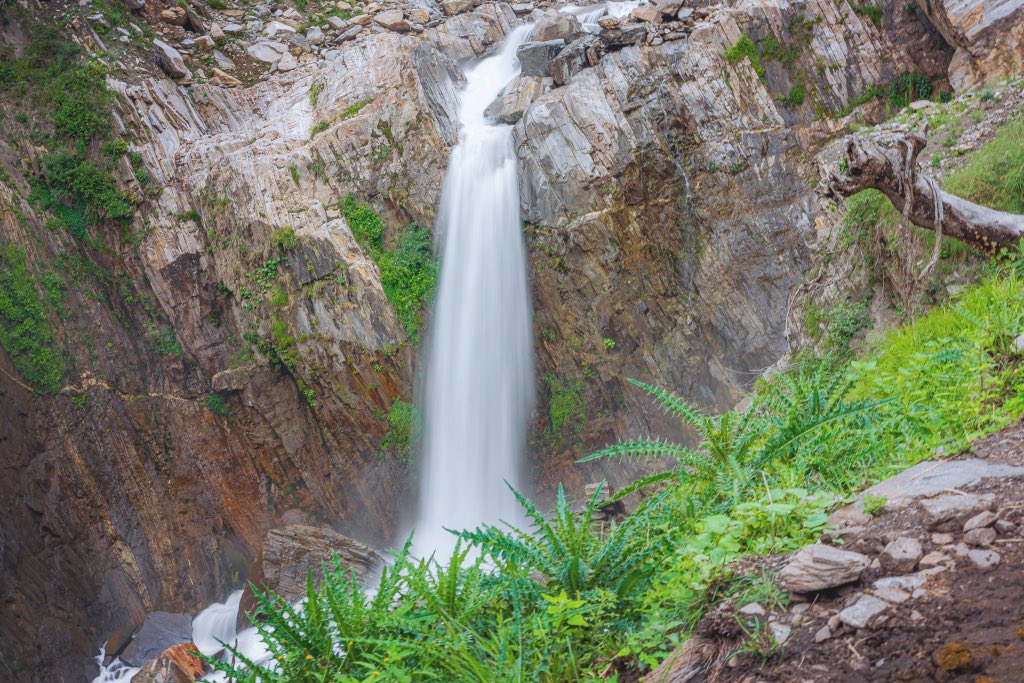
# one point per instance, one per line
(479, 376)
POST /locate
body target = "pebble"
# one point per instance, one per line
(780, 631)
(863, 611)
(893, 595)
(984, 560)
(1005, 527)
(942, 539)
(902, 555)
(933, 559)
(980, 520)
(752, 610)
(982, 537)
(823, 634)
(906, 583)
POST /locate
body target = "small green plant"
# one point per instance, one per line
(284, 239)
(294, 171)
(795, 96)
(874, 504)
(745, 49)
(405, 423)
(872, 12)
(216, 404)
(314, 92)
(609, 344)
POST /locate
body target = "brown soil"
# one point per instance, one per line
(965, 625)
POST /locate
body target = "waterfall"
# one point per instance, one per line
(479, 373)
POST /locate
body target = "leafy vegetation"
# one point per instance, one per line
(408, 269)
(25, 331)
(874, 13)
(566, 407)
(216, 404)
(404, 425)
(795, 96)
(745, 49)
(994, 176)
(284, 239)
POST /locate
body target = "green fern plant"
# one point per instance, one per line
(735, 450)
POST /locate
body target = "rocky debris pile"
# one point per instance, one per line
(926, 588)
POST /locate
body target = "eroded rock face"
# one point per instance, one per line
(988, 36)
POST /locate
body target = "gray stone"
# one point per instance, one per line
(1005, 526)
(626, 34)
(274, 28)
(645, 13)
(669, 8)
(819, 567)
(171, 61)
(949, 512)
(942, 539)
(556, 26)
(863, 611)
(269, 52)
(780, 632)
(393, 20)
(980, 520)
(577, 56)
(223, 61)
(453, 7)
(535, 57)
(822, 634)
(287, 62)
(904, 583)
(752, 609)
(684, 13)
(298, 40)
(513, 101)
(351, 33)
(337, 22)
(893, 595)
(901, 555)
(315, 35)
(984, 560)
(933, 559)
(216, 32)
(927, 479)
(233, 28)
(205, 42)
(522, 7)
(160, 631)
(982, 537)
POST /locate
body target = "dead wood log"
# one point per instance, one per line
(887, 161)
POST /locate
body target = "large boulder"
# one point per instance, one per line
(555, 25)
(819, 567)
(160, 631)
(393, 20)
(170, 60)
(177, 664)
(535, 57)
(621, 36)
(511, 104)
(292, 553)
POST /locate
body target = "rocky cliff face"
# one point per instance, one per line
(668, 199)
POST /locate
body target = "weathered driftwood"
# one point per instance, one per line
(887, 161)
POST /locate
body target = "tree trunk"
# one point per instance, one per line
(887, 161)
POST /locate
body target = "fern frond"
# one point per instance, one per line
(641, 448)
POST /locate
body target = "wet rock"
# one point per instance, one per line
(292, 552)
(949, 512)
(901, 555)
(170, 60)
(982, 537)
(984, 560)
(556, 26)
(159, 631)
(980, 520)
(535, 57)
(577, 56)
(513, 101)
(819, 567)
(177, 664)
(860, 614)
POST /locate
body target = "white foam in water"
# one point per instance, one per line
(216, 625)
(479, 376)
(590, 14)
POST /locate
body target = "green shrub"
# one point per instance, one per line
(404, 425)
(25, 331)
(795, 96)
(215, 404)
(567, 409)
(872, 12)
(745, 49)
(367, 227)
(284, 239)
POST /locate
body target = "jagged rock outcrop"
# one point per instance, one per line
(988, 36)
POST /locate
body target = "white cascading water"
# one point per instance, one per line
(480, 363)
(479, 373)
